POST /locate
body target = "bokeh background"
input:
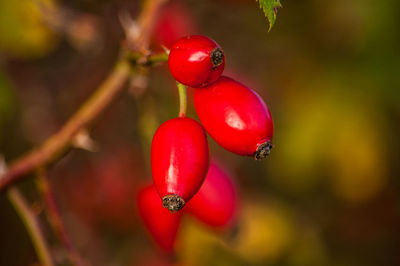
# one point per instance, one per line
(329, 72)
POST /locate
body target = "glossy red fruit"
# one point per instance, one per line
(235, 117)
(179, 161)
(161, 224)
(216, 202)
(175, 21)
(196, 61)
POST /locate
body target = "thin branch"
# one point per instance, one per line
(32, 225)
(54, 146)
(55, 219)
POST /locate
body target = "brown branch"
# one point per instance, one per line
(54, 146)
(55, 219)
(32, 225)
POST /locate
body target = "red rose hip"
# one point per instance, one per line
(196, 61)
(216, 202)
(162, 225)
(179, 161)
(235, 117)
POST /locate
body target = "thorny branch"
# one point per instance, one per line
(56, 144)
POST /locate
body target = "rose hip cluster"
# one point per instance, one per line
(232, 114)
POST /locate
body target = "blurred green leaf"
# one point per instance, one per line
(270, 8)
(23, 31)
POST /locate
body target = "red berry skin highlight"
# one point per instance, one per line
(196, 61)
(235, 117)
(216, 202)
(179, 160)
(162, 225)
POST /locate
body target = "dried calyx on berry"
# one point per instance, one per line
(263, 150)
(217, 57)
(173, 203)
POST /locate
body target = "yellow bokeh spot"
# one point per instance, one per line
(265, 233)
(328, 134)
(196, 243)
(23, 32)
(301, 143)
(358, 158)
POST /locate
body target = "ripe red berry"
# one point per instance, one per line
(161, 224)
(196, 61)
(179, 161)
(216, 202)
(235, 117)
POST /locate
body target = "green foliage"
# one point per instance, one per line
(270, 8)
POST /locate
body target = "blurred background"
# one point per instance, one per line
(329, 71)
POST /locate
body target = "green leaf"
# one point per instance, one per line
(270, 8)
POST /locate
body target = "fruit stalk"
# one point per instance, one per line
(182, 99)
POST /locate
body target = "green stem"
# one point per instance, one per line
(158, 58)
(140, 59)
(32, 225)
(182, 99)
